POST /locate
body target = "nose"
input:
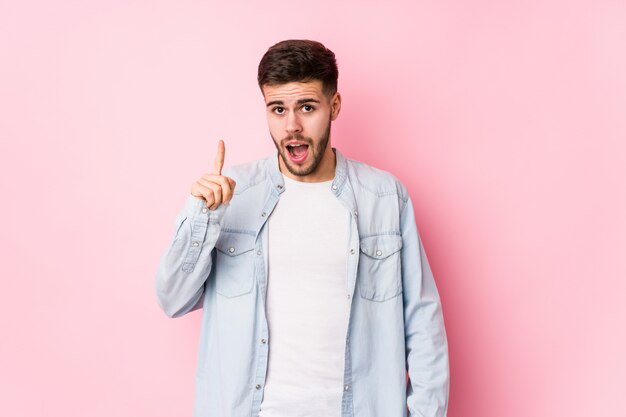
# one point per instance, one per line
(293, 123)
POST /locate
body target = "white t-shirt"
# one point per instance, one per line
(307, 304)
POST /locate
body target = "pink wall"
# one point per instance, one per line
(505, 119)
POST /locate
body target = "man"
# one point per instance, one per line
(316, 292)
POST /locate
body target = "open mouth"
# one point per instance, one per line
(298, 152)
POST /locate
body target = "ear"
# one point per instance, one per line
(335, 106)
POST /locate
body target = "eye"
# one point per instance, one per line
(307, 109)
(278, 110)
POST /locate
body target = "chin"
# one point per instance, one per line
(299, 170)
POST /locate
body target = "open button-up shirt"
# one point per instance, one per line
(217, 261)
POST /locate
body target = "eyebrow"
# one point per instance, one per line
(299, 102)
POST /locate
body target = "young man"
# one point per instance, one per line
(316, 292)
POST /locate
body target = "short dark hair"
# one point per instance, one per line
(299, 60)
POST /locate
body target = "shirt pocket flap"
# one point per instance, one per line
(381, 246)
(234, 244)
(379, 267)
(234, 264)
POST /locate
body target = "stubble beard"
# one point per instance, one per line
(317, 152)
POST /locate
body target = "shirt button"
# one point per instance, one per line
(351, 251)
(348, 296)
(263, 341)
(280, 187)
(263, 214)
(204, 210)
(378, 253)
(334, 187)
(355, 213)
(346, 387)
(196, 244)
(258, 252)
(231, 249)
(258, 386)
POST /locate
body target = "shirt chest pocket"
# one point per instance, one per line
(234, 264)
(379, 274)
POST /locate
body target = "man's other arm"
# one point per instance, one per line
(425, 335)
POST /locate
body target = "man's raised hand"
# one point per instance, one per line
(214, 188)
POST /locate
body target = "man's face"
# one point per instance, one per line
(299, 116)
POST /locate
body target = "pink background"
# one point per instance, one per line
(506, 120)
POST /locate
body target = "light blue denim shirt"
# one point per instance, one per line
(217, 261)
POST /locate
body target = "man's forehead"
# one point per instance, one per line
(293, 91)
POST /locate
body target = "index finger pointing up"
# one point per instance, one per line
(219, 158)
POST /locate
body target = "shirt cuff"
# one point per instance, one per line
(195, 208)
